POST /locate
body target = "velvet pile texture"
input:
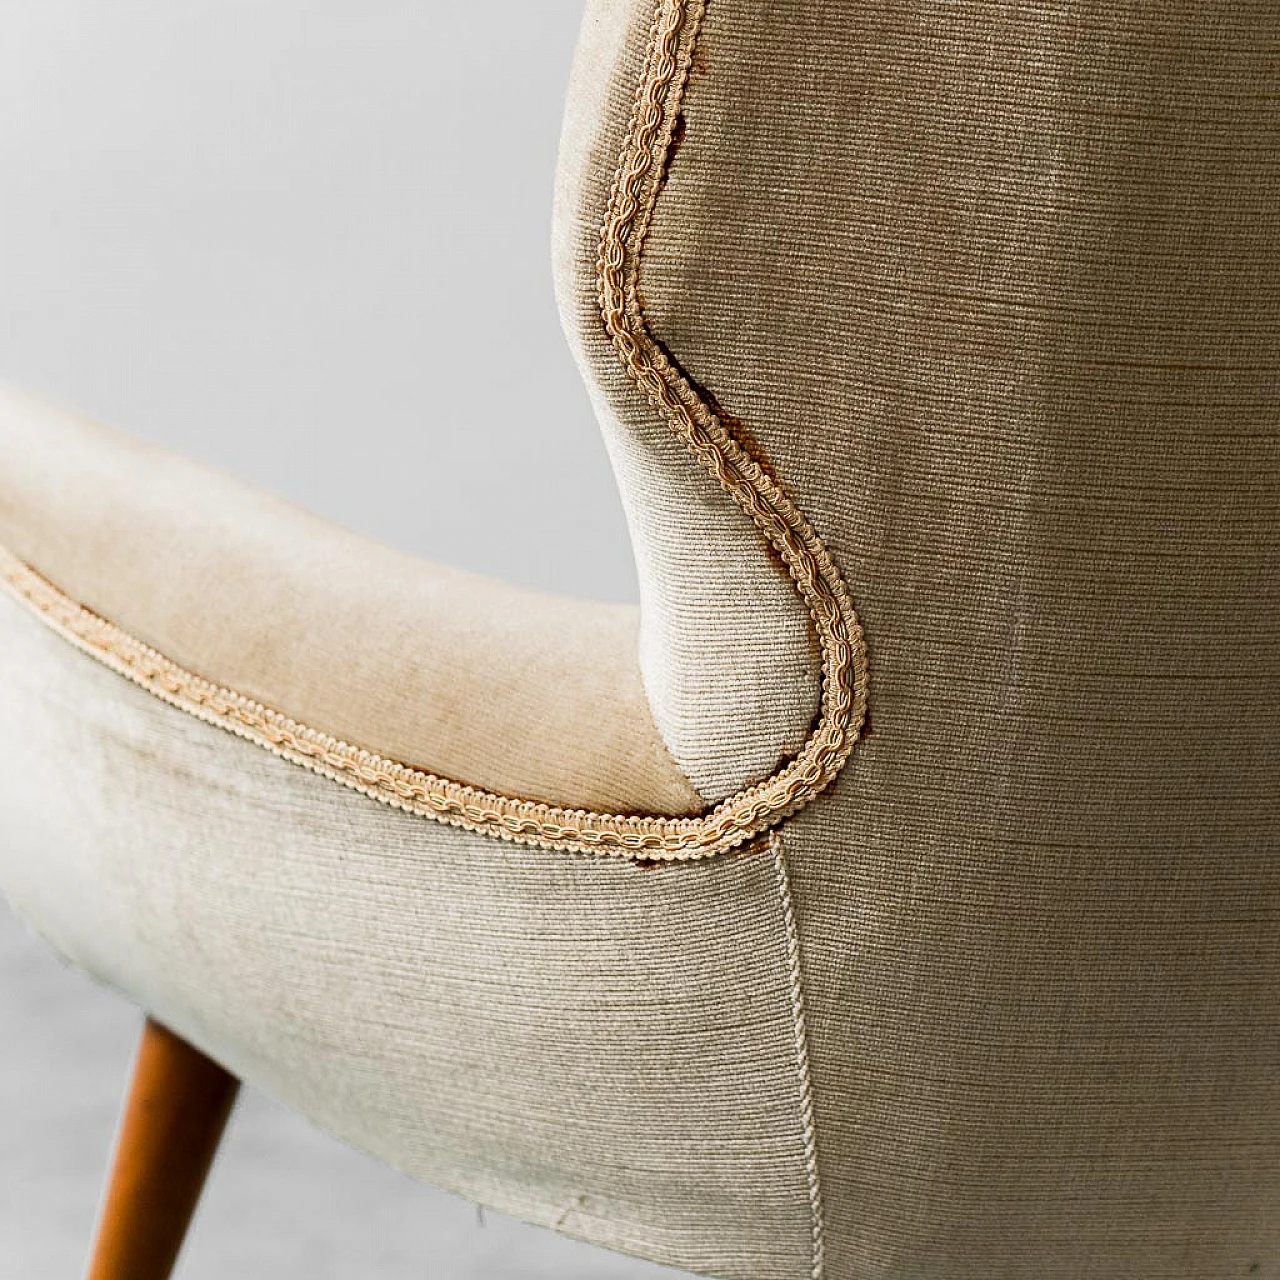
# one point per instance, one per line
(993, 293)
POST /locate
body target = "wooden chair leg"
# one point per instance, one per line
(177, 1107)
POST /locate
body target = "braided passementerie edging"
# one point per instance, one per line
(820, 584)
(651, 837)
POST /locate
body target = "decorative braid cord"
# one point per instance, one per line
(736, 820)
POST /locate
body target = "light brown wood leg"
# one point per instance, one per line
(174, 1115)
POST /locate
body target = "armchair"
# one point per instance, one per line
(894, 894)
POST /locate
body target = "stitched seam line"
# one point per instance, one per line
(808, 1128)
(741, 817)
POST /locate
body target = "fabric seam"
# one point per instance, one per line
(808, 1126)
(736, 820)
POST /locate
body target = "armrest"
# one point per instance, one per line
(518, 692)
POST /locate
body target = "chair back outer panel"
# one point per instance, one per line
(994, 293)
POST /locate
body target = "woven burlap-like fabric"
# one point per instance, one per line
(995, 289)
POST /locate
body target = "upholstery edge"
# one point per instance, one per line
(638, 182)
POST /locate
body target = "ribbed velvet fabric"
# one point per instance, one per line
(725, 647)
(463, 675)
(995, 290)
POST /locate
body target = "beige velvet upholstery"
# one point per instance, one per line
(970, 315)
(996, 290)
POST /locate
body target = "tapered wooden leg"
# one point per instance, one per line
(174, 1115)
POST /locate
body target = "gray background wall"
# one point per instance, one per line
(306, 242)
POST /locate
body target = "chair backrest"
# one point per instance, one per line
(991, 294)
(992, 291)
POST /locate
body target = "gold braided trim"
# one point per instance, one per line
(645, 837)
(637, 184)
(414, 790)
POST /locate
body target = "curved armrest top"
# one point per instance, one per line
(527, 694)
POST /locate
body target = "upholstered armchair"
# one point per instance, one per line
(896, 893)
